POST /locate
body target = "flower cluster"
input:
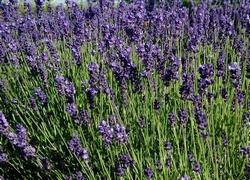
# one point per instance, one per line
(116, 133)
(76, 148)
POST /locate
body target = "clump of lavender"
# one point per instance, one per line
(18, 139)
(76, 148)
(123, 163)
(21, 141)
(84, 117)
(91, 93)
(238, 99)
(171, 73)
(79, 175)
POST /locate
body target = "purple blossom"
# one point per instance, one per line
(22, 137)
(224, 93)
(206, 71)
(172, 119)
(123, 163)
(84, 117)
(221, 64)
(235, 74)
(65, 88)
(187, 87)
(3, 157)
(169, 163)
(41, 96)
(91, 92)
(79, 175)
(12, 137)
(76, 147)
(4, 125)
(168, 146)
(46, 164)
(120, 134)
(148, 172)
(245, 150)
(29, 151)
(201, 119)
(196, 167)
(72, 110)
(106, 131)
(183, 117)
(156, 105)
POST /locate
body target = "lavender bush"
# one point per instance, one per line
(125, 90)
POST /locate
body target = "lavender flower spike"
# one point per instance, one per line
(3, 123)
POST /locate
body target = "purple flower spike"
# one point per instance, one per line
(122, 164)
(149, 173)
(4, 125)
(22, 138)
(196, 167)
(245, 150)
(76, 147)
(183, 117)
(65, 88)
(168, 145)
(172, 119)
(120, 134)
(235, 74)
(41, 96)
(29, 151)
(106, 132)
(3, 157)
